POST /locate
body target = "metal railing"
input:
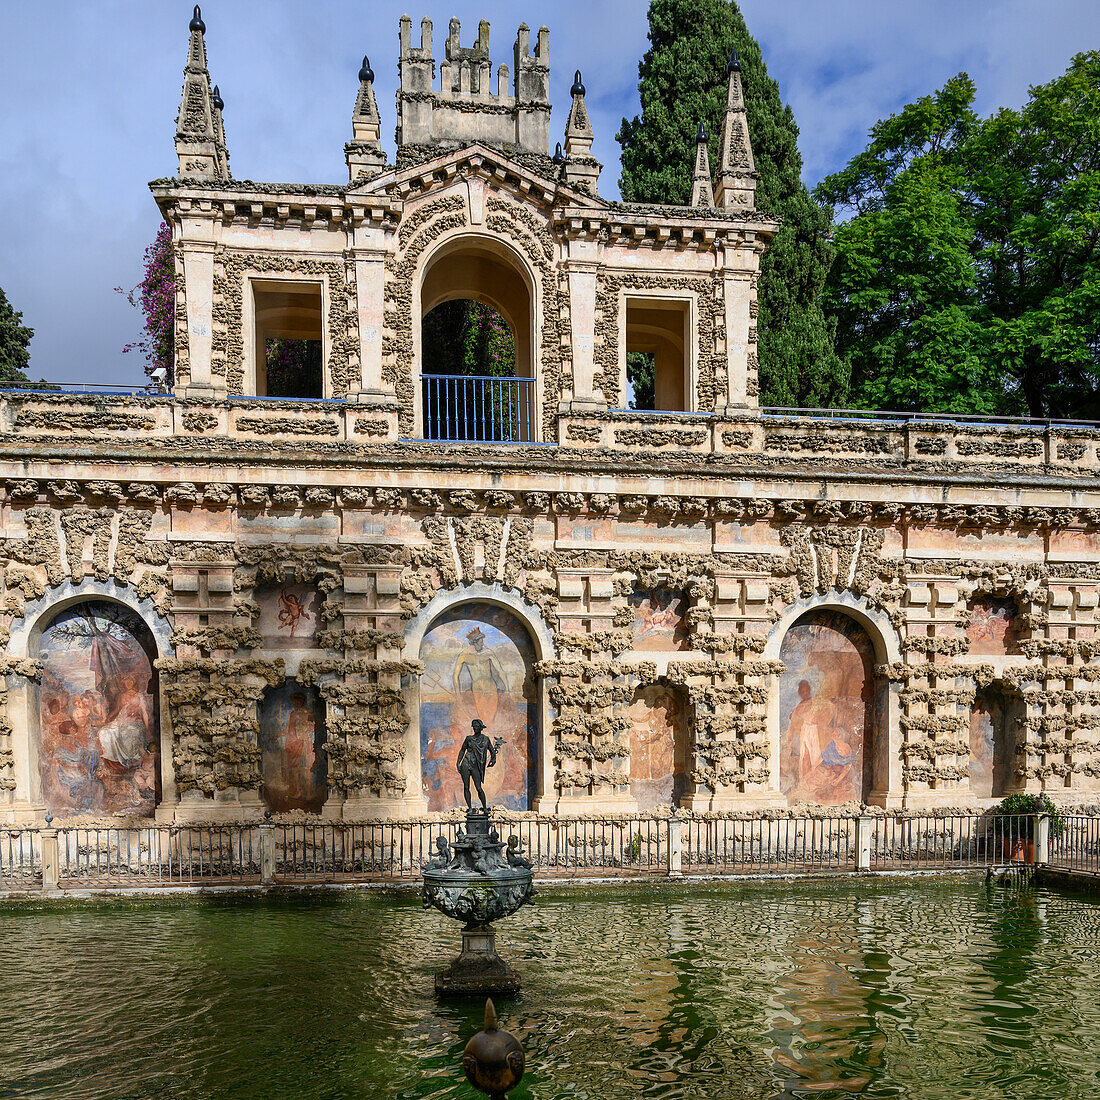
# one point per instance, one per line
(641, 845)
(1076, 844)
(957, 841)
(157, 855)
(90, 388)
(20, 859)
(478, 409)
(762, 846)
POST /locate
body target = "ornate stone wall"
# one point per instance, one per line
(381, 543)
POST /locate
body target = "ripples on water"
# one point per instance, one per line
(919, 990)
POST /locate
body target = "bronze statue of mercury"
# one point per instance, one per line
(478, 752)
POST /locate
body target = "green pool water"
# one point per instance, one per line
(914, 989)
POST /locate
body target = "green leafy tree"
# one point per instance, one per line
(967, 276)
(682, 82)
(15, 339)
(468, 338)
(903, 285)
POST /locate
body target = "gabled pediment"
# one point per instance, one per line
(500, 170)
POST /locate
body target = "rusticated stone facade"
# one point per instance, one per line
(632, 597)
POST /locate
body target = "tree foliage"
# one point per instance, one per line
(293, 368)
(155, 297)
(15, 339)
(967, 278)
(682, 82)
(468, 338)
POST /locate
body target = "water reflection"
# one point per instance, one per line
(922, 989)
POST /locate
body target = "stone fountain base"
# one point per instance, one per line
(479, 969)
(476, 882)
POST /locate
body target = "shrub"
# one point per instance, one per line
(1027, 806)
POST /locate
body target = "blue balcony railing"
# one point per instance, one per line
(480, 409)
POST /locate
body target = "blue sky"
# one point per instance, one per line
(89, 94)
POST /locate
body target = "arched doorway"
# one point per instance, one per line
(478, 662)
(98, 737)
(491, 297)
(826, 710)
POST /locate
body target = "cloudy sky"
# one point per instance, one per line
(89, 94)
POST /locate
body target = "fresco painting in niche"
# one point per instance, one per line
(478, 663)
(826, 710)
(99, 747)
(289, 615)
(659, 619)
(658, 748)
(292, 739)
(992, 629)
(990, 755)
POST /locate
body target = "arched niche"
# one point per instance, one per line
(293, 761)
(484, 268)
(96, 743)
(659, 763)
(994, 728)
(478, 663)
(24, 695)
(439, 714)
(833, 723)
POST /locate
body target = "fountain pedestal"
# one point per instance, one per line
(472, 881)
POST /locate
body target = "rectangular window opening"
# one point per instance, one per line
(289, 340)
(657, 354)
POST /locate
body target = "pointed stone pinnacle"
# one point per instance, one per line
(196, 23)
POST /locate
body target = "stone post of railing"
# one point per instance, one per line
(863, 843)
(1042, 838)
(675, 846)
(267, 854)
(50, 861)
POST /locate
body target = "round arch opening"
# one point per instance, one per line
(495, 402)
(479, 662)
(831, 712)
(97, 736)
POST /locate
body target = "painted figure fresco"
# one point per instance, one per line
(991, 746)
(292, 738)
(992, 629)
(98, 737)
(478, 664)
(658, 748)
(826, 710)
(659, 619)
(289, 615)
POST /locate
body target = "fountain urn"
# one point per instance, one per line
(477, 880)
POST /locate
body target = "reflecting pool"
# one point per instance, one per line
(921, 988)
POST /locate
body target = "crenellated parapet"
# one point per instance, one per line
(468, 105)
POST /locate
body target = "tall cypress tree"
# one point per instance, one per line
(682, 81)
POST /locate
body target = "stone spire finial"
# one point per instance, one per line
(200, 135)
(581, 168)
(702, 187)
(737, 175)
(363, 153)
